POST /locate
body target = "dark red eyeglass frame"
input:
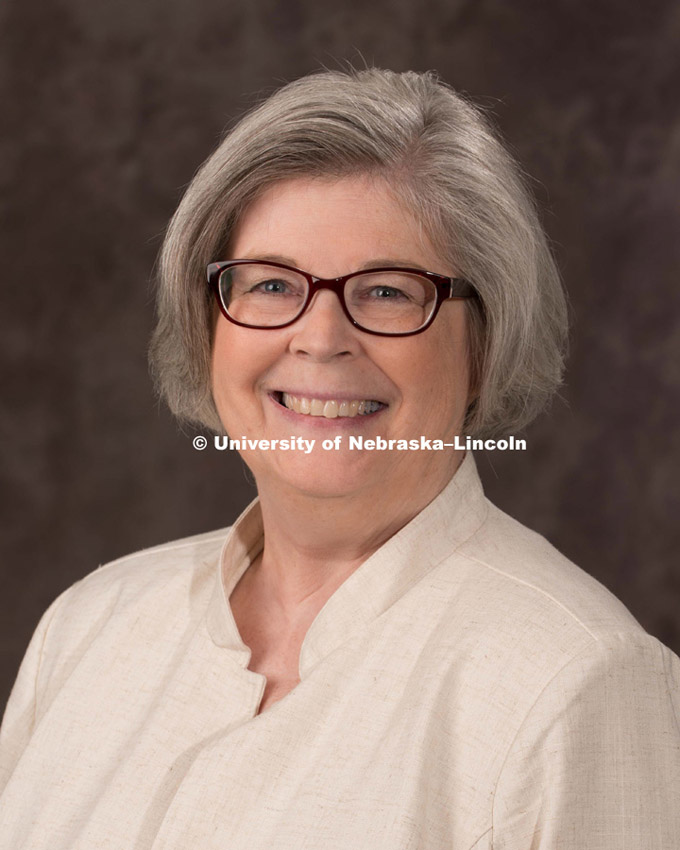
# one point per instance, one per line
(446, 288)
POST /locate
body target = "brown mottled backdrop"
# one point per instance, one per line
(106, 110)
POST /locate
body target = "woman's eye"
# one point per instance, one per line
(271, 287)
(388, 293)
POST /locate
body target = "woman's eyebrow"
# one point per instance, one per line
(390, 261)
(370, 264)
(271, 258)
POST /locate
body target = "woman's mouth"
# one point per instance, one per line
(328, 408)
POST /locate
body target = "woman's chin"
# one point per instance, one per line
(323, 473)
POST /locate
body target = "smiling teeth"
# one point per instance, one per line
(329, 409)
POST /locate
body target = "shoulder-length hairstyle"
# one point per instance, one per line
(443, 161)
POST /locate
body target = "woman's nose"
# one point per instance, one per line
(324, 331)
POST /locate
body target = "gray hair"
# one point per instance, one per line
(443, 161)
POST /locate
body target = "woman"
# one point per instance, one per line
(374, 656)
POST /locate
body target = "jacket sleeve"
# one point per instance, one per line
(20, 712)
(596, 762)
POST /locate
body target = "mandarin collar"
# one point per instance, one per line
(380, 581)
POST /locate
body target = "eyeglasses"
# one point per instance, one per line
(382, 301)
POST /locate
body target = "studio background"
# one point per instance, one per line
(107, 111)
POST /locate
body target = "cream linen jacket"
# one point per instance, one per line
(467, 687)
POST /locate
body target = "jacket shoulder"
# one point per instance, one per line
(539, 583)
(177, 561)
(175, 577)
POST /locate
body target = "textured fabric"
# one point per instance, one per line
(466, 687)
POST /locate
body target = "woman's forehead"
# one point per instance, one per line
(358, 219)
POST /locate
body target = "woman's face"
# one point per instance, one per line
(330, 227)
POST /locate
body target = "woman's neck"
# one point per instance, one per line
(312, 544)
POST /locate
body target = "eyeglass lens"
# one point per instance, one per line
(267, 296)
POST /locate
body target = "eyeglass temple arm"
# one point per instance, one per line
(460, 288)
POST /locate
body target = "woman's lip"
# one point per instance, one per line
(348, 422)
(326, 396)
